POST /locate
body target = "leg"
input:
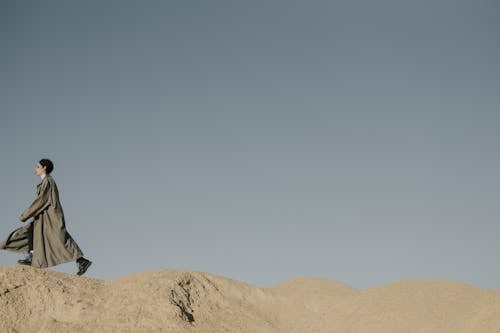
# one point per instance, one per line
(27, 260)
(30, 237)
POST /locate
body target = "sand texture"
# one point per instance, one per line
(36, 300)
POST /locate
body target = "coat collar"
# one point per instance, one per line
(44, 178)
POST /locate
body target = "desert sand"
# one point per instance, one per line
(36, 300)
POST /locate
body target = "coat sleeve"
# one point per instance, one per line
(41, 203)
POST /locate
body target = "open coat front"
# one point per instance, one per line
(52, 244)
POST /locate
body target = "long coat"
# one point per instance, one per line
(52, 244)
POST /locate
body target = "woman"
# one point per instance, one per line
(45, 239)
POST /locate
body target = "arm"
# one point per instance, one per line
(41, 203)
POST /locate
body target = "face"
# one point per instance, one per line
(40, 170)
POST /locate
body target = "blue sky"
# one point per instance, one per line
(352, 140)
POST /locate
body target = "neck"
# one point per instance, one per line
(43, 176)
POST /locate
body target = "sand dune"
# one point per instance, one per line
(34, 300)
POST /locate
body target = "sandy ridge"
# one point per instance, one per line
(35, 300)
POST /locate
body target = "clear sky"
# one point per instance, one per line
(357, 141)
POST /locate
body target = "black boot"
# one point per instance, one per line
(27, 260)
(83, 265)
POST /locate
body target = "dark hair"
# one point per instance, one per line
(49, 166)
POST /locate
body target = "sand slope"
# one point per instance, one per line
(34, 300)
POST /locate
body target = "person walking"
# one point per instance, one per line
(45, 239)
